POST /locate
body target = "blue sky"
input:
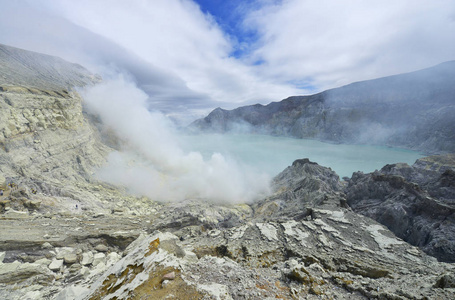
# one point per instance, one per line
(193, 56)
(229, 15)
(226, 13)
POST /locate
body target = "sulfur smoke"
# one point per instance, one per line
(152, 163)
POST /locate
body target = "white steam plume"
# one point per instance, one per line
(151, 162)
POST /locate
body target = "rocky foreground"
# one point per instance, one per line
(66, 235)
(303, 242)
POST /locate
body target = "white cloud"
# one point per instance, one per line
(180, 56)
(175, 35)
(331, 43)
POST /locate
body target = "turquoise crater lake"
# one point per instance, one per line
(272, 154)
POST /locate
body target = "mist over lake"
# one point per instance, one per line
(272, 154)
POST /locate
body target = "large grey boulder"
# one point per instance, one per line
(87, 258)
(56, 265)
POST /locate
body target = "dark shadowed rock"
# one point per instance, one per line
(299, 188)
(416, 202)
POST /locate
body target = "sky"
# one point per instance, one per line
(190, 57)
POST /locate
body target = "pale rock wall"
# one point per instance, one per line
(46, 143)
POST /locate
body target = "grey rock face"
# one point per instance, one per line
(26, 273)
(262, 253)
(416, 202)
(300, 188)
(413, 110)
(101, 248)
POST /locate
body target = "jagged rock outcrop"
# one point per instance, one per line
(294, 259)
(415, 202)
(300, 188)
(413, 110)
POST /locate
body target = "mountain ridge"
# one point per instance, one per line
(20, 67)
(411, 110)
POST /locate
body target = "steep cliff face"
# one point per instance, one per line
(411, 110)
(46, 143)
(45, 139)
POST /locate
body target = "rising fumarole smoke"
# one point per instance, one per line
(151, 162)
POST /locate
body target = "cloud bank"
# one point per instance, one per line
(189, 64)
(152, 163)
(331, 43)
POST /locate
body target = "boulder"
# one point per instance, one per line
(98, 258)
(101, 248)
(74, 268)
(70, 258)
(43, 262)
(47, 245)
(56, 265)
(87, 258)
(61, 252)
(112, 258)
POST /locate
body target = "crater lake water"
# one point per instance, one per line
(271, 154)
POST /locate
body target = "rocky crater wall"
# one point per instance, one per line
(413, 111)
